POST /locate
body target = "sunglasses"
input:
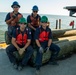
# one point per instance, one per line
(35, 11)
(43, 22)
(15, 7)
(23, 23)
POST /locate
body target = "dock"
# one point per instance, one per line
(66, 67)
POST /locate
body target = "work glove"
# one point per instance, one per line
(21, 51)
(14, 16)
(41, 50)
(18, 48)
(47, 49)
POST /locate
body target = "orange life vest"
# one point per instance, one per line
(34, 21)
(43, 36)
(15, 21)
(21, 39)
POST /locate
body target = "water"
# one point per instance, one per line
(65, 20)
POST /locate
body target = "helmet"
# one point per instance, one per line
(15, 3)
(35, 8)
(22, 20)
(44, 19)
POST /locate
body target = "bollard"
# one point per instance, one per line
(59, 23)
(56, 24)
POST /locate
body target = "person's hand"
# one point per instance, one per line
(47, 49)
(41, 50)
(21, 51)
(18, 48)
(14, 16)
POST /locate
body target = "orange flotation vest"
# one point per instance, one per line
(15, 21)
(21, 39)
(34, 21)
(43, 36)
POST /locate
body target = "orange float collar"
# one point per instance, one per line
(21, 39)
(16, 20)
(34, 21)
(43, 36)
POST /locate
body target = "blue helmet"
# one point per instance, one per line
(35, 8)
(15, 3)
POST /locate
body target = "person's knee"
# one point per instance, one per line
(55, 48)
(30, 49)
(7, 49)
(39, 54)
(10, 48)
(58, 49)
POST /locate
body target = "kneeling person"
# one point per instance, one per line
(21, 40)
(43, 38)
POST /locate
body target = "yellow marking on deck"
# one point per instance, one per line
(3, 45)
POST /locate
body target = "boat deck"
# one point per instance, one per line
(66, 67)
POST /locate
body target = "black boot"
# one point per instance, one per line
(37, 70)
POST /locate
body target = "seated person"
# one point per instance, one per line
(43, 38)
(21, 39)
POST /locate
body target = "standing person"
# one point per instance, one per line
(43, 38)
(12, 18)
(33, 21)
(21, 39)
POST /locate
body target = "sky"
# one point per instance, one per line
(53, 7)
